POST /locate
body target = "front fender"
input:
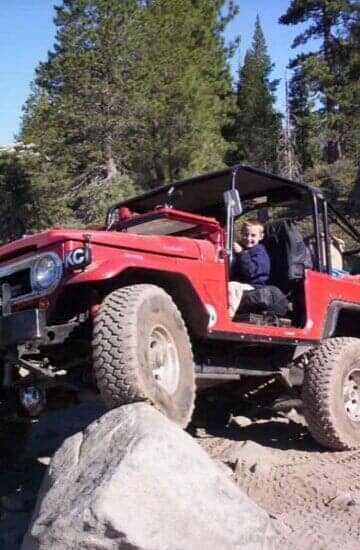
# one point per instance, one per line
(98, 271)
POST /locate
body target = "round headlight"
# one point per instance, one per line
(46, 272)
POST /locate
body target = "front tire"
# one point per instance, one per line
(331, 394)
(142, 352)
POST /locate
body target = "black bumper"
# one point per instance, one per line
(30, 326)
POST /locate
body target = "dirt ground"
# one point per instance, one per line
(312, 495)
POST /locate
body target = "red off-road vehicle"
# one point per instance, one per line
(139, 309)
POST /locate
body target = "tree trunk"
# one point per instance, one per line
(330, 105)
(157, 157)
(111, 168)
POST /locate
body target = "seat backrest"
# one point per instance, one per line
(289, 256)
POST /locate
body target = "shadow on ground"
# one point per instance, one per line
(273, 433)
(258, 423)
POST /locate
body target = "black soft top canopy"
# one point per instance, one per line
(204, 194)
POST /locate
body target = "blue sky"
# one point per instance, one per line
(27, 33)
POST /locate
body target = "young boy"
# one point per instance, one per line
(251, 263)
(251, 266)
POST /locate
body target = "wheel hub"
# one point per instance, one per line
(164, 359)
(352, 395)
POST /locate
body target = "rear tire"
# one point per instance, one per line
(142, 352)
(331, 394)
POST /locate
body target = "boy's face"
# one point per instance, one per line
(251, 235)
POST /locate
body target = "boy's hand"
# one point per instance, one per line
(237, 248)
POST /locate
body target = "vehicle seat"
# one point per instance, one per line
(289, 255)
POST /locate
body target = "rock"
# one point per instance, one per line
(241, 421)
(342, 501)
(45, 460)
(133, 479)
(248, 451)
(250, 456)
(201, 433)
(223, 467)
(295, 417)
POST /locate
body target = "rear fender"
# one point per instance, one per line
(342, 319)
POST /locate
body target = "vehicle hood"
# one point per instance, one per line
(159, 244)
(38, 241)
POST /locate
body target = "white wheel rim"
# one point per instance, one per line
(164, 359)
(352, 395)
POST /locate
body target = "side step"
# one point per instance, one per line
(262, 319)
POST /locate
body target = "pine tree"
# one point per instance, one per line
(84, 107)
(186, 88)
(306, 123)
(326, 72)
(351, 91)
(133, 91)
(257, 125)
(86, 87)
(288, 164)
(16, 194)
(26, 187)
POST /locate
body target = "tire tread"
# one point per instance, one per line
(114, 344)
(317, 394)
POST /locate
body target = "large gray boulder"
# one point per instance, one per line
(134, 480)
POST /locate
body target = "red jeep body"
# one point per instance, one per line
(54, 284)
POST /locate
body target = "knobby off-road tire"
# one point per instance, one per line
(331, 394)
(142, 352)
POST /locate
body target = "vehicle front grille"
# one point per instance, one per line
(19, 283)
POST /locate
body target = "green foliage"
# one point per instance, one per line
(141, 86)
(256, 127)
(90, 201)
(29, 189)
(325, 86)
(138, 92)
(15, 190)
(49, 188)
(132, 88)
(338, 180)
(85, 108)
(306, 124)
(351, 91)
(86, 91)
(340, 183)
(186, 89)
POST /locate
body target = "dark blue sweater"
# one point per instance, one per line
(252, 266)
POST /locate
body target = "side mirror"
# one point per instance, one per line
(233, 202)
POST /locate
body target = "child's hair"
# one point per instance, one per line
(253, 222)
